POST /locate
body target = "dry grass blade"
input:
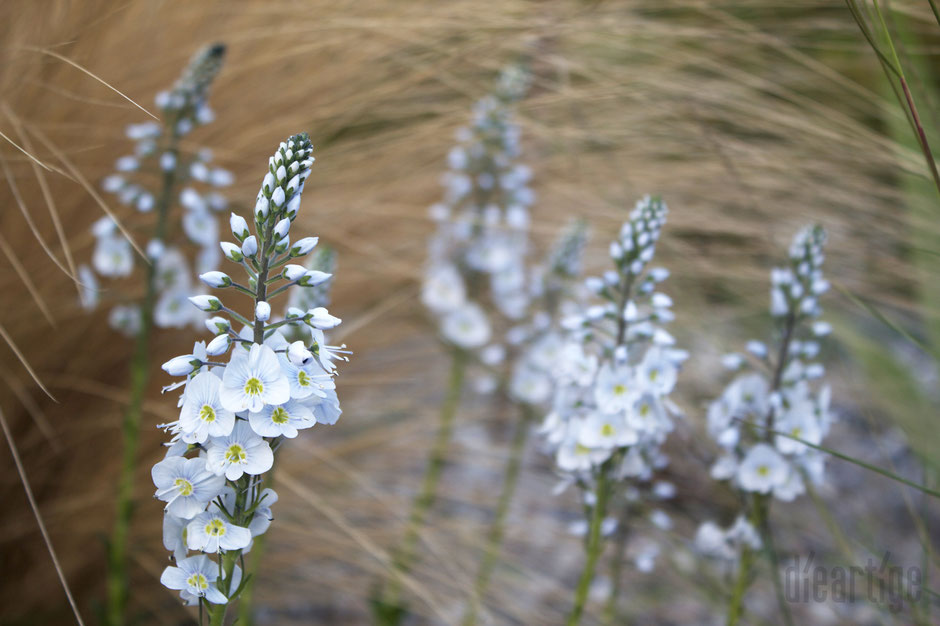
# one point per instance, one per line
(42, 526)
(27, 281)
(58, 56)
(19, 355)
(46, 194)
(27, 215)
(80, 178)
(34, 410)
(359, 537)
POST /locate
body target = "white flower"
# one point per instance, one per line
(762, 470)
(185, 485)
(202, 414)
(325, 407)
(303, 381)
(466, 327)
(443, 290)
(241, 452)
(210, 532)
(195, 575)
(113, 256)
(284, 420)
(174, 535)
(600, 430)
(253, 379)
(615, 391)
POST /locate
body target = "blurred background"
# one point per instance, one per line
(750, 118)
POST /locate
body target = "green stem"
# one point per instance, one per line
(736, 604)
(217, 611)
(763, 502)
(595, 544)
(130, 426)
(387, 606)
(497, 530)
(616, 568)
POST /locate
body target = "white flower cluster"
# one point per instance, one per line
(613, 372)
(235, 414)
(541, 338)
(482, 224)
(777, 394)
(158, 162)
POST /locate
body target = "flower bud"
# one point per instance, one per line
(218, 325)
(206, 303)
(181, 365)
(293, 272)
(250, 246)
(261, 208)
(298, 354)
(282, 245)
(263, 311)
(293, 206)
(239, 227)
(282, 228)
(231, 251)
(312, 278)
(217, 280)
(268, 184)
(219, 345)
(278, 197)
(321, 319)
(304, 246)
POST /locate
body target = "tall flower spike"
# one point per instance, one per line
(159, 175)
(475, 269)
(612, 376)
(774, 403)
(240, 411)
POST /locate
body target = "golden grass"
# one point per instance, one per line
(749, 126)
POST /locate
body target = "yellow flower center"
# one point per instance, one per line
(235, 454)
(198, 581)
(184, 486)
(654, 374)
(579, 449)
(607, 430)
(207, 413)
(253, 386)
(763, 470)
(620, 389)
(303, 379)
(280, 416)
(215, 528)
(644, 410)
